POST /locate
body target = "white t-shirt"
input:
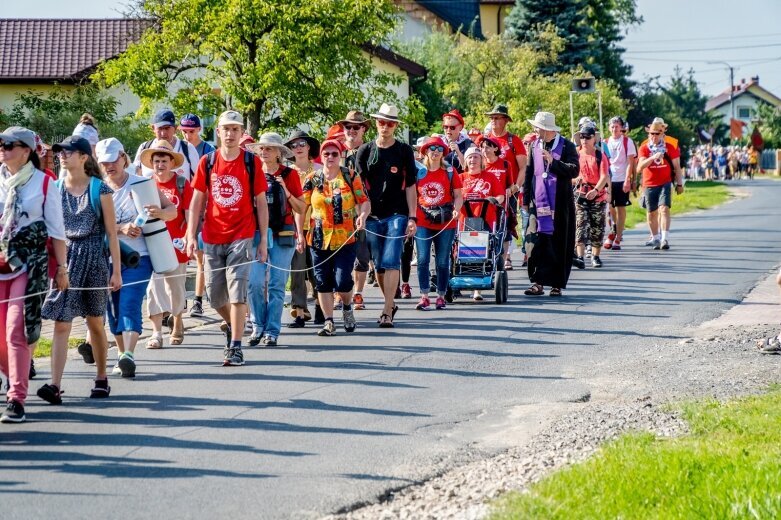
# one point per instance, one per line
(126, 212)
(619, 158)
(190, 158)
(34, 209)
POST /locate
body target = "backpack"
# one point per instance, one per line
(94, 196)
(423, 172)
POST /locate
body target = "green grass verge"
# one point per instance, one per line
(697, 195)
(728, 467)
(44, 348)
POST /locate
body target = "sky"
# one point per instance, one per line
(689, 33)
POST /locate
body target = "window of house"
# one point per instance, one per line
(744, 112)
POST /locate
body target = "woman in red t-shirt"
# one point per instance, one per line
(591, 197)
(439, 203)
(479, 183)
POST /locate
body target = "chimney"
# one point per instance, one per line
(742, 81)
(755, 79)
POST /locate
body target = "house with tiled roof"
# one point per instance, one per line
(39, 55)
(473, 18)
(746, 97)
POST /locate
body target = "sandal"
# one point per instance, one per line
(534, 290)
(176, 339)
(393, 314)
(386, 322)
(51, 394)
(555, 292)
(155, 341)
(508, 265)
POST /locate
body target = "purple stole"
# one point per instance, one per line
(545, 185)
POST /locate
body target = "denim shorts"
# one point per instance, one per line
(386, 252)
(658, 196)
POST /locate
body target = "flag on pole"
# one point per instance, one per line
(736, 128)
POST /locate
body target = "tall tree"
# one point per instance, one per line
(280, 63)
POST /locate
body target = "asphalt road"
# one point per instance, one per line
(318, 424)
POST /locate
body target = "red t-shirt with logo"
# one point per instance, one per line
(481, 186)
(500, 168)
(293, 184)
(229, 214)
(658, 173)
(178, 226)
(434, 190)
(507, 154)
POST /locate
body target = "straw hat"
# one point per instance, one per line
(657, 125)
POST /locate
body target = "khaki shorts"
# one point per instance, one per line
(227, 270)
(166, 293)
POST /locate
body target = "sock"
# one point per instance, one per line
(236, 343)
(657, 237)
(347, 306)
(665, 235)
(199, 299)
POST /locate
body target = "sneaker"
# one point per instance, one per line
(665, 245)
(525, 262)
(477, 296)
(297, 323)
(358, 304)
(197, 309)
(371, 278)
(328, 329)
(596, 262)
(254, 339)
(116, 371)
(406, 291)
(579, 262)
(127, 365)
(269, 341)
(441, 304)
(51, 394)
(650, 242)
(85, 349)
(319, 316)
(234, 357)
(617, 245)
(101, 390)
(33, 372)
(423, 304)
(348, 317)
(14, 413)
(657, 245)
(609, 241)
(226, 329)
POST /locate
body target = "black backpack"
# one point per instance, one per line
(277, 201)
(249, 165)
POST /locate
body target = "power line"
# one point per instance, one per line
(702, 60)
(704, 39)
(706, 50)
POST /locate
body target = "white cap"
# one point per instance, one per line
(108, 150)
(87, 132)
(230, 117)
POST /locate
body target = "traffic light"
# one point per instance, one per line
(583, 85)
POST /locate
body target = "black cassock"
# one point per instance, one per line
(550, 261)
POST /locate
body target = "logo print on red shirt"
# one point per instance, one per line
(432, 193)
(226, 190)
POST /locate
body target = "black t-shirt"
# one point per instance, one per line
(452, 159)
(349, 159)
(386, 173)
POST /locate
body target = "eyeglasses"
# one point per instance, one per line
(382, 122)
(654, 133)
(497, 118)
(436, 148)
(330, 154)
(10, 146)
(353, 127)
(64, 154)
(449, 127)
(298, 144)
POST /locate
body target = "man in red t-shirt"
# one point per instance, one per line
(166, 293)
(660, 163)
(512, 149)
(232, 217)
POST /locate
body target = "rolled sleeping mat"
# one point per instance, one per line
(158, 240)
(129, 256)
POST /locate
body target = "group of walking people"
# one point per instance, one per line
(254, 214)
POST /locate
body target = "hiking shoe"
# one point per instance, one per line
(33, 372)
(406, 291)
(85, 349)
(269, 341)
(14, 413)
(423, 304)
(234, 357)
(665, 245)
(441, 304)
(101, 390)
(657, 245)
(579, 262)
(319, 316)
(358, 304)
(596, 262)
(127, 365)
(51, 394)
(650, 242)
(197, 310)
(254, 339)
(348, 317)
(328, 329)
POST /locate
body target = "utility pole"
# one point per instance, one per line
(731, 85)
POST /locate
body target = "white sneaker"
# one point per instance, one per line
(116, 370)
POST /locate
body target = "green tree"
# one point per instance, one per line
(279, 63)
(769, 124)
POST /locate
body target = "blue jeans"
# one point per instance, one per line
(386, 252)
(334, 270)
(266, 312)
(443, 245)
(124, 306)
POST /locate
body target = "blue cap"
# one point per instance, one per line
(73, 143)
(190, 121)
(164, 117)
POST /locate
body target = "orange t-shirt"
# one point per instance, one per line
(435, 190)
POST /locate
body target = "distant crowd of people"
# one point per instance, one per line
(711, 163)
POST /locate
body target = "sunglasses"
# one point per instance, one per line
(449, 127)
(654, 133)
(353, 127)
(436, 148)
(10, 146)
(330, 154)
(382, 122)
(587, 137)
(298, 144)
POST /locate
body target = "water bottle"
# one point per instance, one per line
(178, 244)
(337, 197)
(141, 219)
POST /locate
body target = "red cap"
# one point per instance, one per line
(335, 132)
(455, 114)
(433, 141)
(245, 140)
(474, 132)
(333, 142)
(491, 140)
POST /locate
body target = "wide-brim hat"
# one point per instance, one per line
(657, 125)
(500, 110)
(388, 113)
(544, 121)
(314, 144)
(270, 139)
(161, 146)
(355, 117)
(433, 141)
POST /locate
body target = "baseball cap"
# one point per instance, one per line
(190, 121)
(73, 143)
(19, 134)
(230, 117)
(164, 117)
(108, 150)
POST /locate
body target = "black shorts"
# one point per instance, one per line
(618, 198)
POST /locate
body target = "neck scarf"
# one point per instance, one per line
(12, 210)
(545, 185)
